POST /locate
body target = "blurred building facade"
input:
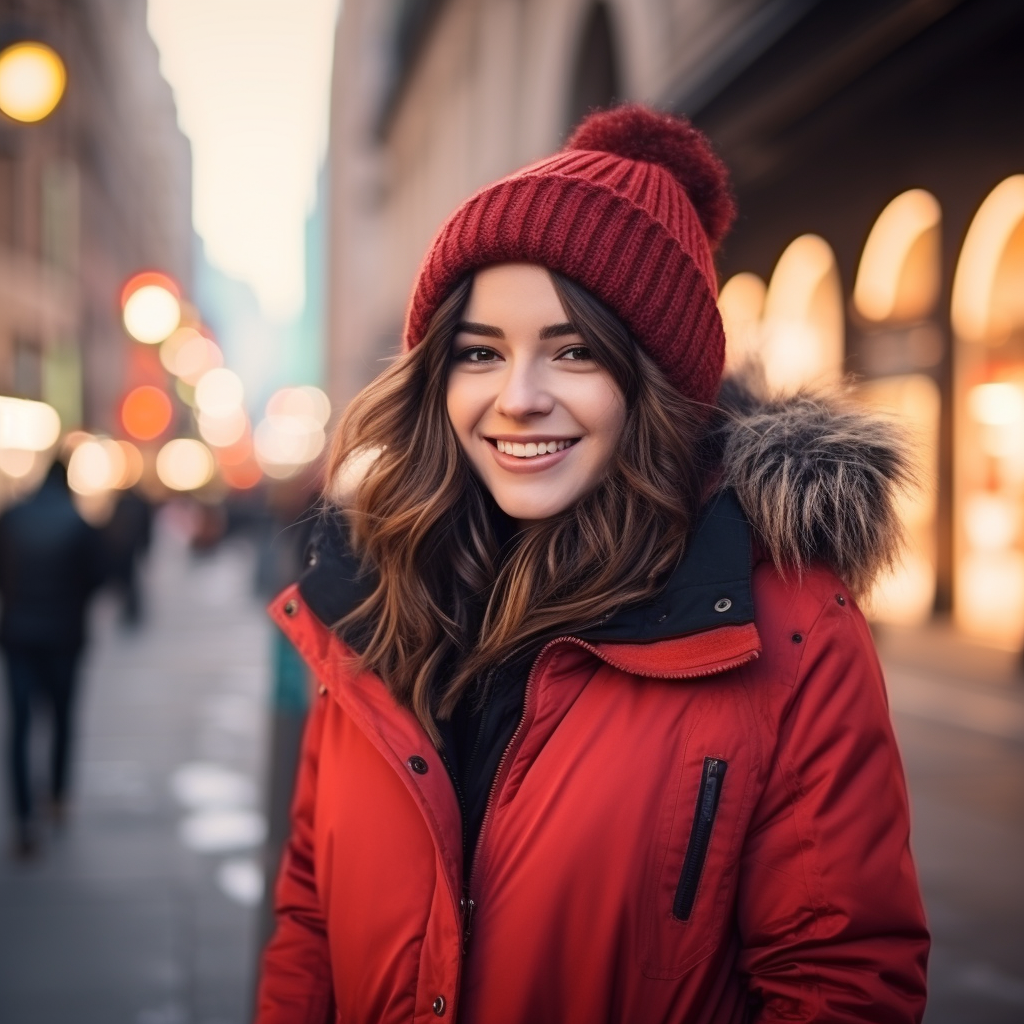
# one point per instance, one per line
(98, 190)
(879, 167)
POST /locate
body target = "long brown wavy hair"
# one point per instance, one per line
(452, 601)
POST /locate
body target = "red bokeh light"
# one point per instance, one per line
(146, 412)
(242, 476)
(149, 277)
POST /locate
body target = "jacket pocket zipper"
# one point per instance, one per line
(700, 836)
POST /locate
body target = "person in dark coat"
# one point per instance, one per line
(126, 539)
(50, 563)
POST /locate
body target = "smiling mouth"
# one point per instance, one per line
(531, 449)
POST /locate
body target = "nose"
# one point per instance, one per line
(523, 392)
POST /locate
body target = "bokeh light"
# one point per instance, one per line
(184, 464)
(31, 426)
(223, 431)
(151, 307)
(146, 412)
(90, 470)
(285, 443)
(134, 464)
(219, 393)
(242, 477)
(17, 463)
(170, 349)
(32, 81)
(196, 356)
(302, 401)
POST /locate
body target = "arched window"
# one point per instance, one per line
(741, 304)
(595, 80)
(900, 270)
(803, 323)
(987, 314)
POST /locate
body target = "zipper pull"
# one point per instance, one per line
(707, 808)
(467, 923)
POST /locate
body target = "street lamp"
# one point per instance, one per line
(32, 81)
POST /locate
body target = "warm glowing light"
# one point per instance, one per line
(223, 431)
(996, 404)
(991, 521)
(133, 465)
(987, 295)
(990, 596)
(741, 304)
(219, 393)
(17, 463)
(305, 401)
(184, 464)
(170, 348)
(803, 316)
(284, 443)
(900, 270)
(195, 356)
(32, 81)
(90, 470)
(242, 477)
(906, 595)
(151, 307)
(32, 426)
(235, 454)
(146, 412)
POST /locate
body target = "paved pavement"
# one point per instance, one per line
(959, 714)
(143, 909)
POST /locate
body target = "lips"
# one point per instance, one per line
(527, 463)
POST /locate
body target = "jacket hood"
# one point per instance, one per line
(818, 476)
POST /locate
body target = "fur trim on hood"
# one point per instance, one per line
(818, 477)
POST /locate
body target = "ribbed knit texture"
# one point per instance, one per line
(625, 229)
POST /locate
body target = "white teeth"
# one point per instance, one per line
(531, 448)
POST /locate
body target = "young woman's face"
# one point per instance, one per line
(538, 419)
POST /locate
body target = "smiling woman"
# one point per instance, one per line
(601, 734)
(538, 418)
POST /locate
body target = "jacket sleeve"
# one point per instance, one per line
(830, 915)
(295, 983)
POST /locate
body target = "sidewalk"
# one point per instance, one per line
(935, 673)
(142, 908)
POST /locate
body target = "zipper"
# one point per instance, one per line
(700, 836)
(513, 745)
(723, 666)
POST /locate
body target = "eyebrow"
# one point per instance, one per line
(488, 331)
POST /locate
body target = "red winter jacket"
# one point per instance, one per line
(710, 826)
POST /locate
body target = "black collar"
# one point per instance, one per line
(710, 587)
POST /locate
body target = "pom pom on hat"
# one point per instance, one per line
(639, 133)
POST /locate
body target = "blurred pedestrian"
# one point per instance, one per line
(50, 563)
(126, 538)
(600, 732)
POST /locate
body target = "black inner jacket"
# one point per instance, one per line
(710, 587)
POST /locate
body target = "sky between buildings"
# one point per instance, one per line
(251, 80)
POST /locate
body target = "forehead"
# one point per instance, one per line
(513, 294)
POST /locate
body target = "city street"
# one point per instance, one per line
(143, 908)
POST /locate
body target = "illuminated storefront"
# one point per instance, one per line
(795, 326)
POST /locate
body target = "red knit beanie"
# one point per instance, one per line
(632, 209)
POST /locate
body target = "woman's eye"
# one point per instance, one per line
(475, 355)
(577, 353)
